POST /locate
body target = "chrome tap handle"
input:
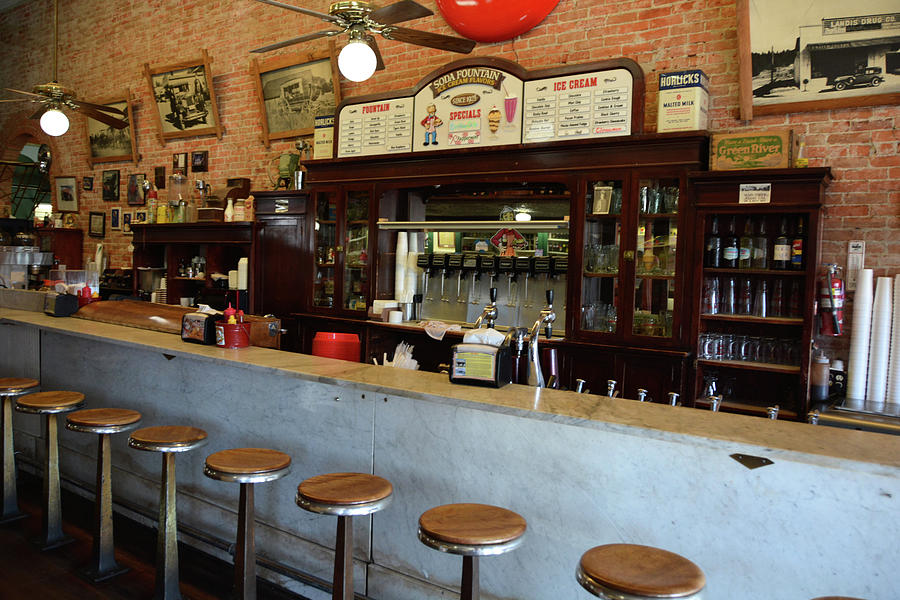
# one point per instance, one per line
(772, 412)
(579, 386)
(813, 418)
(673, 398)
(550, 297)
(611, 388)
(493, 293)
(715, 402)
(642, 395)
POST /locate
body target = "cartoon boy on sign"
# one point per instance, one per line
(431, 122)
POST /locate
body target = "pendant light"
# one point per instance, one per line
(357, 60)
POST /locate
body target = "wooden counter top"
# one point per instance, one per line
(822, 445)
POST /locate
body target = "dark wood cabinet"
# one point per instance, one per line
(67, 245)
(754, 314)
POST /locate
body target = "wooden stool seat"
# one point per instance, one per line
(103, 420)
(48, 403)
(247, 465)
(471, 529)
(634, 571)
(344, 493)
(16, 385)
(167, 438)
(10, 387)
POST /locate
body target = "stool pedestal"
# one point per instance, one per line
(344, 495)
(471, 530)
(50, 404)
(634, 572)
(168, 440)
(104, 422)
(246, 466)
(10, 388)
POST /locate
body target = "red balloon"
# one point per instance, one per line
(494, 20)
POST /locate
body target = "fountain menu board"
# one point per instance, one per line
(381, 127)
(470, 106)
(585, 105)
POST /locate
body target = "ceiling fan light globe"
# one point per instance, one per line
(357, 61)
(54, 122)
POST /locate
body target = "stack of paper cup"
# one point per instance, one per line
(893, 389)
(859, 339)
(400, 266)
(879, 342)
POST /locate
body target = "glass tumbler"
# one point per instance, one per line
(728, 302)
(761, 302)
(745, 299)
(711, 296)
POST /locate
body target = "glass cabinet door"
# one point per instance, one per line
(356, 251)
(601, 261)
(655, 253)
(325, 249)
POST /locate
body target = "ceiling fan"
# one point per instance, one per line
(360, 58)
(53, 97)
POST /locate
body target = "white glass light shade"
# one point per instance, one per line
(54, 122)
(357, 61)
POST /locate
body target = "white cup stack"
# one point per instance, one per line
(858, 367)
(879, 342)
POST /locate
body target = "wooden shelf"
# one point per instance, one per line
(752, 319)
(654, 216)
(600, 275)
(771, 272)
(609, 217)
(654, 276)
(746, 365)
(197, 279)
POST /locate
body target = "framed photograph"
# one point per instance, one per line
(97, 224)
(200, 161)
(108, 144)
(185, 99)
(180, 163)
(817, 56)
(111, 186)
(159, 178)
(293, 91)
(87, 183)
(115, 214)
(126, 222)
(140, 216)
(66, 194)
(135, 189)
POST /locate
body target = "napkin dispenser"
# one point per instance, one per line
(60, 305)
(480, 364)
(199, 328)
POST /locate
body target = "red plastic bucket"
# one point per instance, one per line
(344, 346)
(236, 335)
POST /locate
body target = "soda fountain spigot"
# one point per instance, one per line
(715, 402)
(545, 319)
(642, 395)
(423, 261)
(611, 388)
(673, 399)
(579, 386)
(488, 316)
(772, 412)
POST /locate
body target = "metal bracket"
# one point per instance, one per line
(750, 461)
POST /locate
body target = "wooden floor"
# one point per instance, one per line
(28, 574)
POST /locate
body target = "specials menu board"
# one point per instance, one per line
(381, 127)
(585, 105)
(469, 106)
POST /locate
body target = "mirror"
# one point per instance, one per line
(30, 191)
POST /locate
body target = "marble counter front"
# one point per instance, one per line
(582, 469)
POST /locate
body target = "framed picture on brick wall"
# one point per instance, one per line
(185, 99)
(108, 144)
(817, 56)
(293, 90)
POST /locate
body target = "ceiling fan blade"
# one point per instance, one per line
(26, 93)
(39, 113)
(374, 46)
(297, 40)
(101, 107)
(18, 100)
(102, 117)
(429, 40)
(305, 11)
(405, 10)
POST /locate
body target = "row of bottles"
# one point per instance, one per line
(751, 249)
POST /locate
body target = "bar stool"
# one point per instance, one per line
(471, 530)
(345, 495)
(103, 421)
(246, 466)
(10, 387)
(168, 439)
(633, 572)
(51, 404)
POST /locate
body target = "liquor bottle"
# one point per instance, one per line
(761, 247)
(781, 252)
(730, 247)
(745, 254)
(714, 246)
(797, 245)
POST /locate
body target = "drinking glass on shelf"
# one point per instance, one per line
(753, 349)
(611, 258)
(711, 295)
(644, 197)
(728, 303)
(728, 351)
(670, 199)
(587, 316)
(703, 346)
(741, 347)
(767, 350)
(715, 346)
(611, 318)
(761, 303)
(745, 299)
(776, 306)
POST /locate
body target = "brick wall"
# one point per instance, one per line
(104, 44)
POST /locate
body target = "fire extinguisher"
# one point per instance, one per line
(831, 300)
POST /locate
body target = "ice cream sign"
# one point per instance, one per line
(469, 106)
